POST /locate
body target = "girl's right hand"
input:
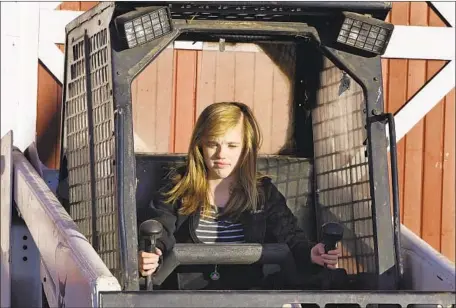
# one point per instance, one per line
(148, 262)
(330, 259)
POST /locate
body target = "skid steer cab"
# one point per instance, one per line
(310, 71)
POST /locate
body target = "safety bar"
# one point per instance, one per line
(189, 254)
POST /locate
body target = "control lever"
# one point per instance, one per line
(150, 230)
(331, 234)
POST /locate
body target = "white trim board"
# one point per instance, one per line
(49, 5)
(9, 19)
(446, 9)
(9, 86)
(27, 83)
(414, 42)
(53, 23)
(53, 58)
(423, 102)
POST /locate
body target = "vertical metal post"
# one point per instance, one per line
(368, 73)
(125, 66)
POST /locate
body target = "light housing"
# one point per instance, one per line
(364, 33)
(143, 25)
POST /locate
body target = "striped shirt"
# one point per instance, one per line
(212, 230)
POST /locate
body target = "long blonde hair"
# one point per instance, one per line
(192, 186)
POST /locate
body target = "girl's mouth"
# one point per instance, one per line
(221, 165)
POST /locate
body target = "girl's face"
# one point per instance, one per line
(221, 154)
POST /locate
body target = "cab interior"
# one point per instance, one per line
(311, 116)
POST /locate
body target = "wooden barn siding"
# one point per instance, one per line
(426, 153)
(201, 77)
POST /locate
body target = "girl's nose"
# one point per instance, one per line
(221, 151)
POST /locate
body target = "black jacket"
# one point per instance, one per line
(272, 223)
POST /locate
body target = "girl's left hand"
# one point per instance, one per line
(318, 256)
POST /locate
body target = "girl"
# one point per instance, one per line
(220, 198)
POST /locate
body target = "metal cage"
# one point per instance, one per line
(350, 162)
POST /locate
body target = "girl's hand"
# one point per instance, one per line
(318, 256)
(148, 262)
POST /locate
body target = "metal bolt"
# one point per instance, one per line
(376, 112)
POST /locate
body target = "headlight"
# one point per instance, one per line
(142, 26)
(365, 33)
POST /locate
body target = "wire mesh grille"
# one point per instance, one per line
(89, 112)
(341, 166)
(104, 145)
(292, 176)
(77, 139)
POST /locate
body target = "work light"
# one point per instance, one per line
(144, 25)
(366, 33)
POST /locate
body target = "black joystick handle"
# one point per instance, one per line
(150, 230)
(331, 232)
